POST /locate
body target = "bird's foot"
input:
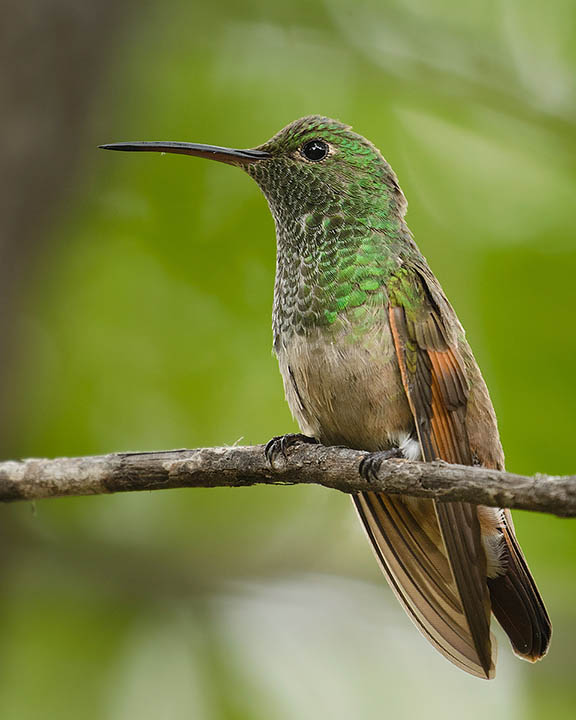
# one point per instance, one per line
(281, 443)
(371, 464)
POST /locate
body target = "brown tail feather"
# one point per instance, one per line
(517, 604)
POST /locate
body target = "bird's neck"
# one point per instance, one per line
(332, 269)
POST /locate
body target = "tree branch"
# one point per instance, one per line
(243, 466)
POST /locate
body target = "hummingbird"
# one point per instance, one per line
(374, 358)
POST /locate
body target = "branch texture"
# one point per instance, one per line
(331, 467)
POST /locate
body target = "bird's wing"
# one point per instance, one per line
(406, 539)
(432, 553)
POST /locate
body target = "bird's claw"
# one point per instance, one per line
(371, 463)
(281, 443)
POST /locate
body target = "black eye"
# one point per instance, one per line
(315, 150)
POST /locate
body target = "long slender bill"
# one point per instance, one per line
(231, 156)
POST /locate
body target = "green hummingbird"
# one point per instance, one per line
(373, 357)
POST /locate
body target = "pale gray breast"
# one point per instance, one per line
(344, 387)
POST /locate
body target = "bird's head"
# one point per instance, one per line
(313, 163)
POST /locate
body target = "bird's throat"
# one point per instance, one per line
(332, 272)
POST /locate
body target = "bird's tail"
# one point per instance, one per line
(516, 602)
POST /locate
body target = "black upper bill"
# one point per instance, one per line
(212, 152)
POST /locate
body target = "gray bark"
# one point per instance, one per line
(331, 467)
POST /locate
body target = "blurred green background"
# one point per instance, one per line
(136, 294)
